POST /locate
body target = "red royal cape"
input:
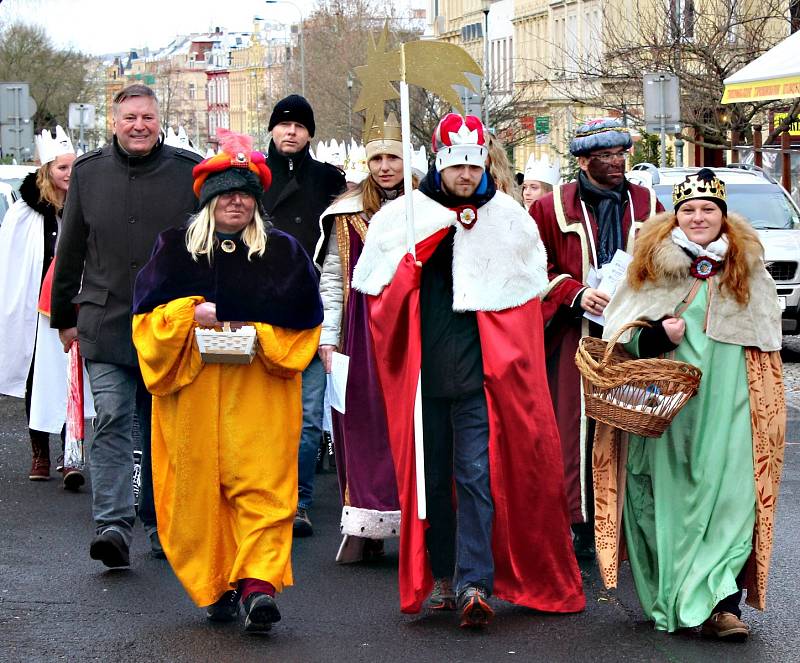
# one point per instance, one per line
(534, 561)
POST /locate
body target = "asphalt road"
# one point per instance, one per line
(58, 604)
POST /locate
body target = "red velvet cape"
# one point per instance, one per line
(534, 561)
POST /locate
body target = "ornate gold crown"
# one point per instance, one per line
(703, 184)
(389, 130)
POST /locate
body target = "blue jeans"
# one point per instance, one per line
(456, 440)
(118, 391)
(311, 435)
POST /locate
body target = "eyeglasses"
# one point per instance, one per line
(608, 157)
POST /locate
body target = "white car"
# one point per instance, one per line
(7, 197)
(13, 175)
(762, 201)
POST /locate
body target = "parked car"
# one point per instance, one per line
(765, 204)
(13, 175)
(6, 199)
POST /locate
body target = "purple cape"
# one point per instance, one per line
(280, 288)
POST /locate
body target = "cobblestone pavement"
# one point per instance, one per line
(791, 363)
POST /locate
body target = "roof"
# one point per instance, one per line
(773, 75)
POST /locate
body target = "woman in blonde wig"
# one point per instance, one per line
(698, 502)
(224, 436)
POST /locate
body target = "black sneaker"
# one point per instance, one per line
(226, 609)
(110, 548)
(583, 541)
(302, 524)
(474, 607)
(261, 612)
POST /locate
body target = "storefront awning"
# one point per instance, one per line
(774, 75)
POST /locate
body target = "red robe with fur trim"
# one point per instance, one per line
(498, 267)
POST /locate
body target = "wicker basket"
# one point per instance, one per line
(226, 346)
(640, 396)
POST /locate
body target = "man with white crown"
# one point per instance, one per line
(539, 179)
(465, 311)
(28, 366)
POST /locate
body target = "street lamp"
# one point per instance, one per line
(485, 7)
(302, 44)
(350, 105)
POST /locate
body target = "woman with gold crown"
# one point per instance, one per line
(224, 435)
(697, 504)
(370, 511)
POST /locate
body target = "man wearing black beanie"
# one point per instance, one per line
(302, 188)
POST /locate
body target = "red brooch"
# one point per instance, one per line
(702, 267)
(467, 215)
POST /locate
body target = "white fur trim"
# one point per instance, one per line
(369, 523)
(498, 263)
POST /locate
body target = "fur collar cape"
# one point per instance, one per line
(30, 193)
(756, 324)
(498, 263)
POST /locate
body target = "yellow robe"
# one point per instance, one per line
(224, 446)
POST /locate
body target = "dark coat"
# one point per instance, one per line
(302, 188)
(116, 206)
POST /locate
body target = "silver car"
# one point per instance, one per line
(763, 202)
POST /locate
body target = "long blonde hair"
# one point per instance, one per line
(200, 237)
(47, 191)
(500, 167)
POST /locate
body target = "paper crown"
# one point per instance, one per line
(419, 162)
(49, 148)
(236, 154)
(704, 184)
(180, 140)
(601, 134)
(541, 170)
(459, 140)
(385, 138)
(355, 167)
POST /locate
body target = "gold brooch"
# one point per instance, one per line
(228, 245)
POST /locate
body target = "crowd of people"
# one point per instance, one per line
(464, 431)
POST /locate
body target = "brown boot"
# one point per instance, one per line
(725, 626)
(40, 447)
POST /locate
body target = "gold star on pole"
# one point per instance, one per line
(376, 80)
(433, 65)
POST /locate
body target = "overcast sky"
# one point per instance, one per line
(108, 26)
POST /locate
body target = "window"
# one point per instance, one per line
(682, 15)
(192, 91)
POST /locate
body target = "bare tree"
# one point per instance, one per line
(336, 38)
(56, 77)
(702, 42)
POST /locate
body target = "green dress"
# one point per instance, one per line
(690, 494)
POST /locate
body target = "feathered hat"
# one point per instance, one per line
(49, 148)
(541, 170)
(237, 167)
(703, 185)
(602, 134)
(459, 140)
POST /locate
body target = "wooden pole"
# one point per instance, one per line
(786, 161)
(758, 153)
